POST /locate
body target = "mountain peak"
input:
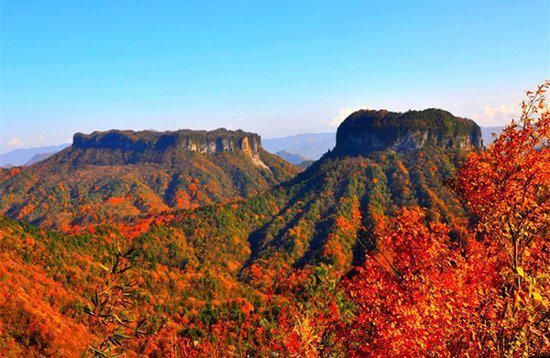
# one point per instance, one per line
(366, 131)
(208, 142)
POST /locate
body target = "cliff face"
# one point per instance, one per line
(366, 131)
(207, 142)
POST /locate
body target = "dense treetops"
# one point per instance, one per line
(369, 130)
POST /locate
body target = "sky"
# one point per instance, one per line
(272, 67)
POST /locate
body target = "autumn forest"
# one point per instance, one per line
(411, 237)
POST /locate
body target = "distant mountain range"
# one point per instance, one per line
(308, 145)
(487, 133)
(291, 157)
(26, 156)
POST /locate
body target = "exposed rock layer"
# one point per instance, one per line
(208, 142)
(366, 131)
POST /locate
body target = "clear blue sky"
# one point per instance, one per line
(276, 68)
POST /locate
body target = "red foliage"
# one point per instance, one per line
(506, 188)
(420, 295)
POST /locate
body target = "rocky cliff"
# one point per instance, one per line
(207, 142)
(366, 131)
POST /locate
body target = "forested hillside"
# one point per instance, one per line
(413, 243)
(108, 176)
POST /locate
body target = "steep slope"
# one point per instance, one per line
(215, 276)
(366, 131)
(106, 176)
(41, 308)
(330, 213)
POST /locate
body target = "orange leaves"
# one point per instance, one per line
(428, 292)
(343, 224)
(333, 249)
(401, 167)
(193, 188)
(116, 200)
(30, 304)
(13, 171)
(349, 225)
(29, 242)
(26, 210)
(85, 209)
(183, 200)
(414, 294)
(295, 231)
(506, 187)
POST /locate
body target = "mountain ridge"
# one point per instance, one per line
(312, 145)
(106, 175)
(365, 131)
(21, 156)
(216, 141)
(328, 214)
(292, 157)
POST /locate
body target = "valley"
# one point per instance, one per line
(202, 242)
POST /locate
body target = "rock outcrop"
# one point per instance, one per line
(207, 142)
(126, 146)
(366, 131)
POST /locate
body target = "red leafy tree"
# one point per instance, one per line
(506, 189)
(420, 295)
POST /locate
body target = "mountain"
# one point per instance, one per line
(328, 214)
(382, 161)
(291, 157)
(487, 134)
(314, 145)
(305, 164)
(18, 157)
(105, 176)
(220, 275)
(366, 131)
(39, 157)
(308, 145)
